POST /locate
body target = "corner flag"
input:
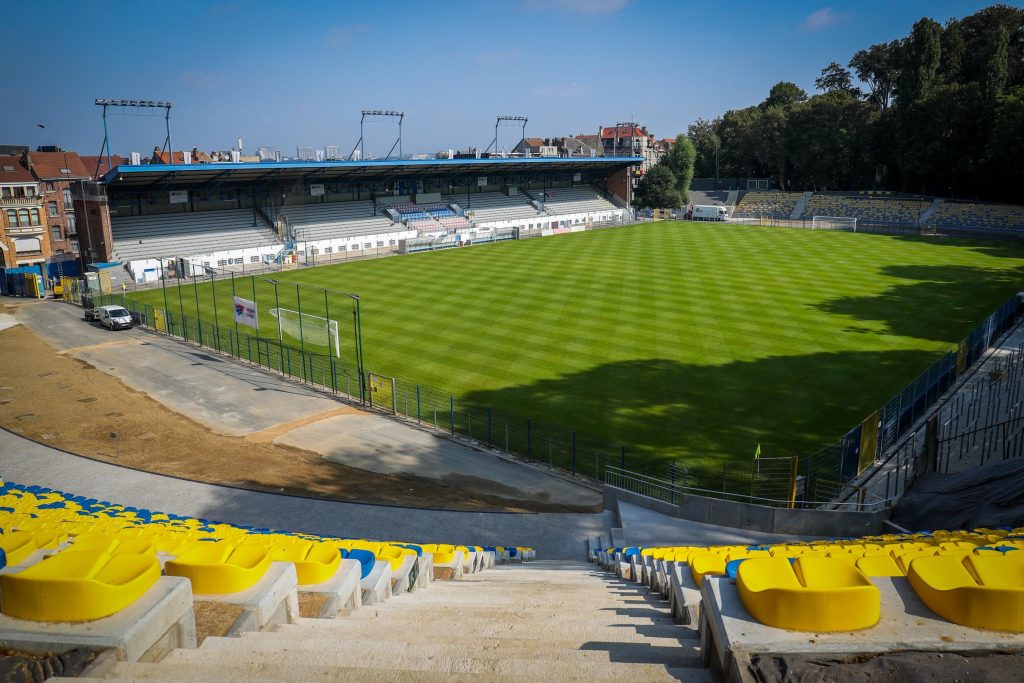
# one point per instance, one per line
(757, 451)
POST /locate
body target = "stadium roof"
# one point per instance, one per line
(198, 175)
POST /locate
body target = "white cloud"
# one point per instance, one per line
(822, 19)
(579, 6)
(199, 80)
(342, 36)
(574, 89)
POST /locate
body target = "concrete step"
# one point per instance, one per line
(262, 661)
(497, 628)
(665, 652)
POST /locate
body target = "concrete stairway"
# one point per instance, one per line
(801, 205)
(929, 212)
(545, 620)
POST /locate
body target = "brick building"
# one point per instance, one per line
(632, 140)
(58, 173)
(24, 238)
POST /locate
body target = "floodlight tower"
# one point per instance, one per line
(494, 142)
(136, 105)
(375, 115)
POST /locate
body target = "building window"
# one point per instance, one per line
(6, 193)
(58, 252)
(221, 263)
(52, 209)
(391, 243)
(72, 224)
(328, 250)
(23, 217)
(367, 245)
(67, 199)
(50, 186)
(254, 259)
(238, 261)
(55, 233)
(35, 217)
(381, 243)
(12, 217)
(74, 246)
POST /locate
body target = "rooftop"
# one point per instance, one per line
(11, 171)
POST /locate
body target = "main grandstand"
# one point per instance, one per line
(236, 215)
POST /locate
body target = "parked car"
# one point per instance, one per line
(114, 317)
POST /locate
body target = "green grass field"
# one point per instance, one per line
(681, 341)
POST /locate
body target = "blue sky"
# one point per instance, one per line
(281, 74)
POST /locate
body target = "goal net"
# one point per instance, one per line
(834, 223)
(310, 329)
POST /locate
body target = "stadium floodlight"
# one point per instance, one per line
(380, 114)
(134, 104)
(506, 118)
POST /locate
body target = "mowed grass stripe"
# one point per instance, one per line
(682, 341)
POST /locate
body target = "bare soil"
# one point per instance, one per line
(64, 402)
(214, 618)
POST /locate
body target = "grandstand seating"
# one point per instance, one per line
(455, 224)
(969, 215)
(340, 220)
(972, 578)
(424, 226)
(905, 212)
(778, 204)
(494, 206)
(578, 199)
(83, 559)
(188, 234)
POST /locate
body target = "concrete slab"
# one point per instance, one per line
(373, 442)
(647, 528)
(342, 591)
(376, 586)
(729, 634)
(158, 622)
(7, 320)
(272, 601)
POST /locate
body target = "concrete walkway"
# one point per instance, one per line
(235, 398)
(554, 535)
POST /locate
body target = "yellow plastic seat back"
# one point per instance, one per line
(77, 586)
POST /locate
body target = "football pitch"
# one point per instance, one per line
(680, 341)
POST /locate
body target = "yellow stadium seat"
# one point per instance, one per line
(314, 562)
(220, 567)
(879, 565)
(980, 591)
(813, 594)
(394, 555)
(703, 564)
(77, 586)
(443, 553)
(18, 546)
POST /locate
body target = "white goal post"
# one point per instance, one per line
(834, 223)
(313, 329)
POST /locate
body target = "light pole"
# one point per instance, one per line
(280, 331)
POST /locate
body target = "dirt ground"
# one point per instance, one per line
(64, 402)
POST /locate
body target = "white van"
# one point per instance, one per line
(114, 317)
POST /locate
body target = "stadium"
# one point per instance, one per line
(574, 410)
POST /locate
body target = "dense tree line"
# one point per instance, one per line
(941, 112)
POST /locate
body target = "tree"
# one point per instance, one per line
(834, 77)
(703, 133)
(679, 161)
(921, 56)
(1006, 144)
(951, 61)
(658, 189)
(878, 66)
(784, 94)
(996, 72)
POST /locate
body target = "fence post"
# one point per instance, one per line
(574, 454)
(622, 461)
(451, 411)
(417, 404)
